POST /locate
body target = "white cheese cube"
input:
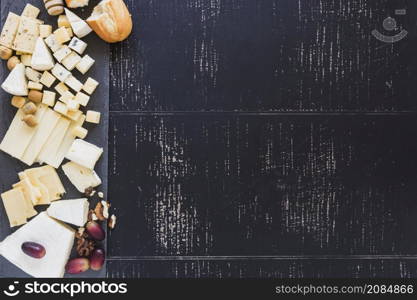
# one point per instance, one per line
(85, 64)
(71, 61)
(33, 75)
(61, 108)
(74, 212)
(49, 98)
(66, 96)
(63, 52)
(82, 98)
(74, 83)
(26, 59)
(90, 85)
(45, 31)
(61, 35)
(47, 79)
(35, 86)
(74, 115)
(93, 117)
(30, 11)
(84, 153)
(81, 177)
(60, 72)
(61, 88)
(78, 45)
(53, 43)
(73, 105)
(80, 132)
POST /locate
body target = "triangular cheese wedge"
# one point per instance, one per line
(70, 211)
(55, 237)
(81, 177)
(16, 83)
(41, 58)
(79, 26)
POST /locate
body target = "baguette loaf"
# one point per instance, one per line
(111, 20)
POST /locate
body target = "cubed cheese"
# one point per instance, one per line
(82, 98)
(80, 132)
(74, 115)
(61, 35)
(78, 45)
(33, 75)
(74, 83)
(61, 108)
(53, 43)
(63, 21)
(71, 60)
(27, 34)
(90, 85)
(60, 72)
(35, 86)
(93, 117)
(85, 64)
(73, 105)
(18, 101)
(63, 52)
(9, 30)
(61, 88)
(26, 59)
(47, 79)
(49, 98)
(66, 96)
(84, 153)
(45, 31)
(30, 11)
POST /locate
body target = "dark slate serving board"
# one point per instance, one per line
(265, 139)
(9, 167)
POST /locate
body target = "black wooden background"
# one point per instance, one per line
(253, 138)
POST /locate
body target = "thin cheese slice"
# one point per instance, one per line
(27, 34)
(31, 192)
(52, 182)
(19, 135)
(29, 195)
(9, 30)
(65, 145)
(15, 205)
(45, 129)
(34, 180)
(54, 141)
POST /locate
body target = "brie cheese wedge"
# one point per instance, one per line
(74, 212)
(41, 58)
(55, 237)
(79, 26)
(81, 177)
(16, 83)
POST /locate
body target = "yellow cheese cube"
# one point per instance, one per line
(18, 101)
(90, 85)
(26, 59)
(63, 21)
(66, 96)
(93, 117)
(80, 132)
(82, 98)
(45, 31)
(61, 108)
(49, 98)
(30, 11)
(61, 35)
(35, 86)
(85, 64)
(47, 79)
(73, 105)
(61, 88)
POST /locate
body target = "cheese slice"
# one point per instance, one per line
(31, 192)
(50, 149)
(79, 26)
(19, 135)
(57, 239)
(81, 177)
(69, 138)
(30, 211)
(27, 34)
(9, 30)
(34, 180)
(16, 207)
(74, 212)
(16, 83)
(41, 58)
(45, 128)
(84, 153)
